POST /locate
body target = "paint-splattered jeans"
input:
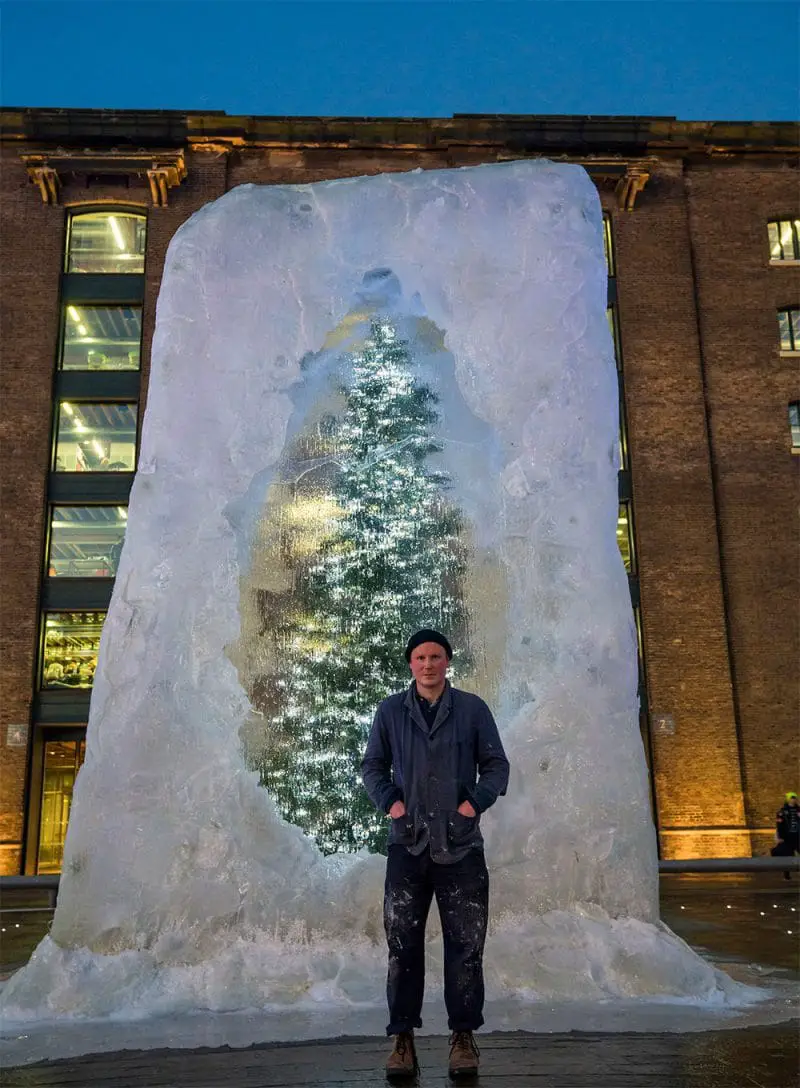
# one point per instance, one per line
(462, 895)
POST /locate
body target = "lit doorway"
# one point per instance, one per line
(62, 761)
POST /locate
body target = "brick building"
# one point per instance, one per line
(703, 245)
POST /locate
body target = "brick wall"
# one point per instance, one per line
(749, 388)
(677, 358)
(33, 236)
(31, 239)
(696, 770)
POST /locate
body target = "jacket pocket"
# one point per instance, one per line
(402, 830)
(460, 828)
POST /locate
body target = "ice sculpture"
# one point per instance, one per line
(182, 887)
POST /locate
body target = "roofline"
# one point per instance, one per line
(556, 134)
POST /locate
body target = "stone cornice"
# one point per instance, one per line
(48, 168)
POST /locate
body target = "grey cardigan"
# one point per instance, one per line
(460, 758)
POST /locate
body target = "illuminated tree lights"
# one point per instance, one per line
(390, 563)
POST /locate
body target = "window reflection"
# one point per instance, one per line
(784, 239)
(611, 316)
(96, 437)
(625, 536)
(609, 249)
(69, 648)
(62, 761)
(101, 337)
(106, 242)
(794, 425)
(86, 541)
(789, 325)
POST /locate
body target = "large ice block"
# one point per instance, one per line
(182, 886)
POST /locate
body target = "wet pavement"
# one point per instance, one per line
(759, 1057)
(735, 920)
(747, 918)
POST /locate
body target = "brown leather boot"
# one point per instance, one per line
(402, 1062)
(464, 1055)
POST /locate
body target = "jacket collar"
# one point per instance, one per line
(445, 706)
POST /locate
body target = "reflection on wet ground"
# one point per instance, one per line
(747, 918)
(760, 1057)
(735, 920)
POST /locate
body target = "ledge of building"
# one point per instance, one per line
(531, 133)
(48, 169)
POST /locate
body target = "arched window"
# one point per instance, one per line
(106, 241)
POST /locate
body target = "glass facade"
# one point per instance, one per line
(611, 314)
(86, 541)
(784, 240)
(70, 644)
(99, 437)
(609, 249)
(789, 325)
(112, 241)
(625, 536)
(794, 424)
(62, 761)
(101, 337)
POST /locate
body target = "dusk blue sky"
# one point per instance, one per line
(693, 60)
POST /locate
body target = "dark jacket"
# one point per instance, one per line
(432, 771)
(788, 821)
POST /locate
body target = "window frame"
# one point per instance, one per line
(793, 351)
(68, 691)
(631, 570)
(104, 304)
(794, 222)
(59, 400)
(794, 426)
(608, 246)
(75, 211)
(63, 579)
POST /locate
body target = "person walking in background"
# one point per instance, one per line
(787, 829)
(434, 763)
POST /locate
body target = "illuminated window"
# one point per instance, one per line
(95, 437)
(62, 761)
(623, 438)
(784, 240)
(111, 241)
(86, 541)
(625, 536)
(789, 325)
(609, 249)
(613, 324)
(794, 425)
(101, 337)
(70, 644)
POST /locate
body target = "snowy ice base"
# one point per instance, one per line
(328, 993)
(182, 888)
(579, 955)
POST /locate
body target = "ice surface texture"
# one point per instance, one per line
(182, 888)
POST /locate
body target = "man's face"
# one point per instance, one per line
(793, 800)
(429, 665)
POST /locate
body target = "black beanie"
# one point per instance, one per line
(427, 634)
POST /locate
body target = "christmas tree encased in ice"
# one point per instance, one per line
(389, 563)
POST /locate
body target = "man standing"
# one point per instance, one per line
(788, 830)
(434, 762)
